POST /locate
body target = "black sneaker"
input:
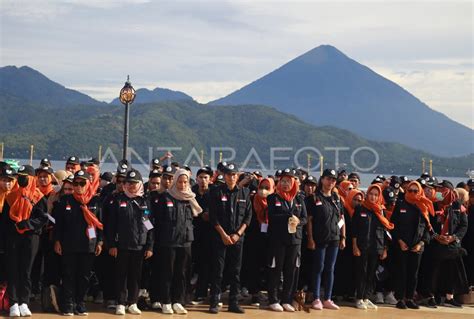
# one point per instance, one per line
(411, 304)
(214, 309)
(401, 305)
(452, 303)
(81, 310)
(235, 308)
(431, 303)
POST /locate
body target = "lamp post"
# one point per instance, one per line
(127, 95)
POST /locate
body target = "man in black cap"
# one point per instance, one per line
(167, 178)
(354, 178)
(230, 213)
(7, 180)
(73, 164)
(45, 163)
(341, 175)
(202, 234)
(309, 185)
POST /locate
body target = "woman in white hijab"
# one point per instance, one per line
(174, 226)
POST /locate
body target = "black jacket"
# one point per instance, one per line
(457, 224)
(326, 212)
(174, 222)
(202, 228)
(71, 227)
(403, 215)
(279, 211)
(126, 229)
(35, 224)
(368, 230)
(230, 209)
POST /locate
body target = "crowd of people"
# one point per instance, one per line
(76, 233)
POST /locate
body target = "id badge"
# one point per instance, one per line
(264, 228)
(148, 224)
(91, 232)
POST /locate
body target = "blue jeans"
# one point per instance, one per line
(324, 261)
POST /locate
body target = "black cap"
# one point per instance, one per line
(26, 170)
(404, 179)
(231, 168)
(8, 172)
(205, 170)
(221, 165)
(288, 172)
(73, 160)
(81, 174)
(395, 182)
(470, 182)
(423, 182)
(45, 162)
(69, 178)
(341, 171)
(94, 161)
(425, 175)
(377, 180)
(432, 181)
(258, 173)
(278, 173)
(446, 183)
(134, 176)
(220, 179)
(311, 180)
(381, 177)
(45, 169)
(155, 163)
(154, 173)
(328, 172)
(389, 195)
(107, 176)
(121, 171)
(353, 175)
(168, 170)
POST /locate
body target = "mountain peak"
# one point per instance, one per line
(322, 54)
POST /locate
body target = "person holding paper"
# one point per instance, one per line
(174, 234)
(77, 239)
(286, 218)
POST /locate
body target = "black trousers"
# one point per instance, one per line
(76, 272)
(104, 266)
(230, 256)
(128, 274)
(155, 275)
(254, 265)
(52, 265)
(21, 252)
(365, 266)
(283, 258)
(408, 264)
(175, 262)
(203, 256)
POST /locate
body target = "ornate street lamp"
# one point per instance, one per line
(127, 95)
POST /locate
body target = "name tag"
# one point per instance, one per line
(224, 198)
(264, 228)
(169, 204)
(91, 232)
(148, 224)
(403, 211)
(242, 201)
(340, 223)
(318, 203)
(298, 205)
(123, 204)
(68, 207)
(363, 215)
(51, 218)
(278, 204)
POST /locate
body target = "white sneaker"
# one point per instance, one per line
(24, 310)
(276, 307)
(379, 298)
(370, 305)
(166, 309)
(156, 305)
(133, 309)
(179, 309)
(120, 310)
(14, 311)
(68, 314)
(390, 299)
(360, 304)
(288, 307)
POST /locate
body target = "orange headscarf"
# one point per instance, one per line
(344, 188)
(22, 200)
(291, 194)
(260, 203)
(377, 207)
(348, 202)
(419, 200)
(84, 199)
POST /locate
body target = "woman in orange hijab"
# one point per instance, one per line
(412, 231)
(24, 215)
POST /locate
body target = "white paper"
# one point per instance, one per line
(91, 232)
(51, 218)
(263, 228)
(340, 223)
(148, 224)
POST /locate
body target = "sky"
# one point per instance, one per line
(210, 48)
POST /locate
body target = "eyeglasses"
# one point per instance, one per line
(413, 190)
(81, 183)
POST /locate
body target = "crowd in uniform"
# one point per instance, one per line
(173, 241)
